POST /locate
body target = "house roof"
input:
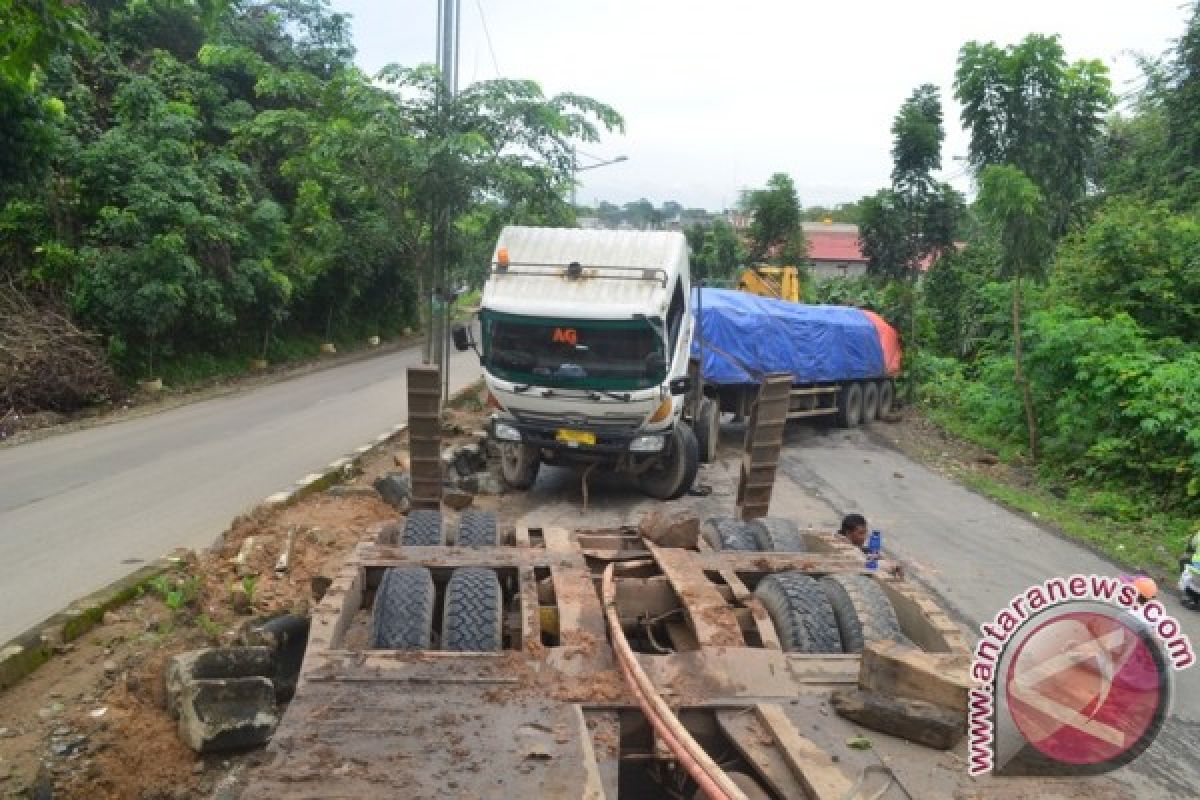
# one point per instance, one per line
(834, 245)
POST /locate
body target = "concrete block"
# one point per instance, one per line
(213, 663)
(227, 714)
(671, 528)
(396, 490)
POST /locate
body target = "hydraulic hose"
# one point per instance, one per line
(711, 779)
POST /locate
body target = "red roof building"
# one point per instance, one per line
(833, 250)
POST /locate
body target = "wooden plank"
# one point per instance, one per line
(710, 615)
(754, 742)
(558, 540)
(815, 769)
(896, 669)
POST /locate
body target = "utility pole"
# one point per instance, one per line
(438, 330)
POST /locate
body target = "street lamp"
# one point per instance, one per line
(576, 169)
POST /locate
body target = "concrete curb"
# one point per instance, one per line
(28, 651)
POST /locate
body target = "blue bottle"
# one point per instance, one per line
(874, 548)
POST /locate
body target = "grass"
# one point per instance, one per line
(1120, 523)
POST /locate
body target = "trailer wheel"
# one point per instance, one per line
(870, 401)
(402, 618)
(477, 529)
(423, 528)
(727, 533)
(887, 396)
(519, 464)
(778, 535)
(801, 612)
(708, 430)
(849, 405)
(472, 619)
(670, 479)
(863, 611)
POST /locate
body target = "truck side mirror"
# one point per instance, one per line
(462, 338)
(681, 385)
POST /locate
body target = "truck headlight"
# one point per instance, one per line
(646, 444)
(505, 432)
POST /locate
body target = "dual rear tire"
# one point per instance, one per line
(863, 402)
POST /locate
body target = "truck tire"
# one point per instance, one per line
(519, 464)
(402, 617)
(477, 529)
(870, 401)
(727, 533)
(887, 396)
(671, 479)
(849, 406)
(801, 612)
(423, 528)
(863, 612)
(708, 430)
(472, 619)
(778, 535)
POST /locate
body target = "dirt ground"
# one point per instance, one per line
(91, 724)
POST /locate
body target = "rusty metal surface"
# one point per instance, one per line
(764, 439)
(425, 435)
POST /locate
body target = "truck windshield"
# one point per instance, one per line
(573, 353)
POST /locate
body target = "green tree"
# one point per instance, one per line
(1182, 107)
(1024, 105)
(776, 220)
(1013, 206)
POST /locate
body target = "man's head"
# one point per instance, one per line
(854, 528)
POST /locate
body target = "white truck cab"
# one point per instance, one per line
(585, 340)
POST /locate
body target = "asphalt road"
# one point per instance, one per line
(975, 555)
(81, 509)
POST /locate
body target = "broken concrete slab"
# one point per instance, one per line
(914, 720)
(396, 490)
(213, 663)
(671, 528)
(457, 499)
(227, 714)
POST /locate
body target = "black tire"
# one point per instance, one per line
(671, 480)
(472, 619)
(849, 406)
(778, 535)
(863, 612)
(402, 618)
(801, 612)
(870, 394)
(708, 430)
(519, 464)
(887, 397)
(477, 529)
(727, 533)
(423, 528)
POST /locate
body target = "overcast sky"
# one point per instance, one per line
(718, 95)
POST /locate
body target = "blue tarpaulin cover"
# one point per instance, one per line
(747, 336)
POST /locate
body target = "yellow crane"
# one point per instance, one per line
(782, 283)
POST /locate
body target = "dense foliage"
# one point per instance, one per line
(1110, 334)
(200, 177)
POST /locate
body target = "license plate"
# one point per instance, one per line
(576, 438)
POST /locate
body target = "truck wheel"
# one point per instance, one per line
(887, 396)
(801, 612)
(862, 610)
(675, 473)
(778, 535)
(423, 528)
(472, 620)
(727, 533)
(519, 464)
(870, 401)
(849, 405)
(402, 618)
(477, 529)
(708, 430)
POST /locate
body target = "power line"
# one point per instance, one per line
(488, 36)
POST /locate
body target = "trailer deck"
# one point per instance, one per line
(550, 716)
